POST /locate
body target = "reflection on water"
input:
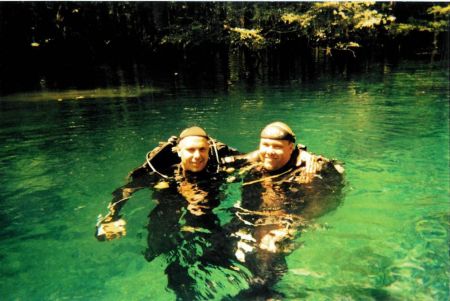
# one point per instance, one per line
(185, 231)
(388, 239)
(70, 95)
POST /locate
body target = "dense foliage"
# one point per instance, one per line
(43, 35)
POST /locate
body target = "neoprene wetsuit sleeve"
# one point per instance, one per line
(112, 226)
(240, 160)
(141, 179)
(225, 150)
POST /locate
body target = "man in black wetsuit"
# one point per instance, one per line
(284, 186)
(183, 163)
(182, 227)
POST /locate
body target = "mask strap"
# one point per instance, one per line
(216, 153)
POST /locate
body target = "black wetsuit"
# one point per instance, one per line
(183, 227)
(275, 206)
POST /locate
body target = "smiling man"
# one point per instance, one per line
(278, 153)
(283, 186)
(193, 149)
(176, 167)
(276, 146)
(187, 182)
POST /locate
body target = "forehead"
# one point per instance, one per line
(193, 142)
(274, 142)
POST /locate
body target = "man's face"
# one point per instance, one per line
(193, 151)
(275, 153)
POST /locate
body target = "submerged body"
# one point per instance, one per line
(182, 228)
(186, 232)
(283, 188)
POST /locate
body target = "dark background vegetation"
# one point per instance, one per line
(56, 45)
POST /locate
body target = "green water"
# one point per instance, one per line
(388, 239)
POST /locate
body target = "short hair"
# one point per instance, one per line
(278, 131)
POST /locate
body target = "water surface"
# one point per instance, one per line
(63, 153)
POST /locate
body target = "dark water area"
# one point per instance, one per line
(213, 67)
(63, 151)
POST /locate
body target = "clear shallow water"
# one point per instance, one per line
(388, 240)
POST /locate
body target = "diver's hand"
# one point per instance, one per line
(303, 158)
(173, 140)
(312, 164)
(110, 229)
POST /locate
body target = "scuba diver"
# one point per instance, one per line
(178, 163)
(188, 185)
(283, 188)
